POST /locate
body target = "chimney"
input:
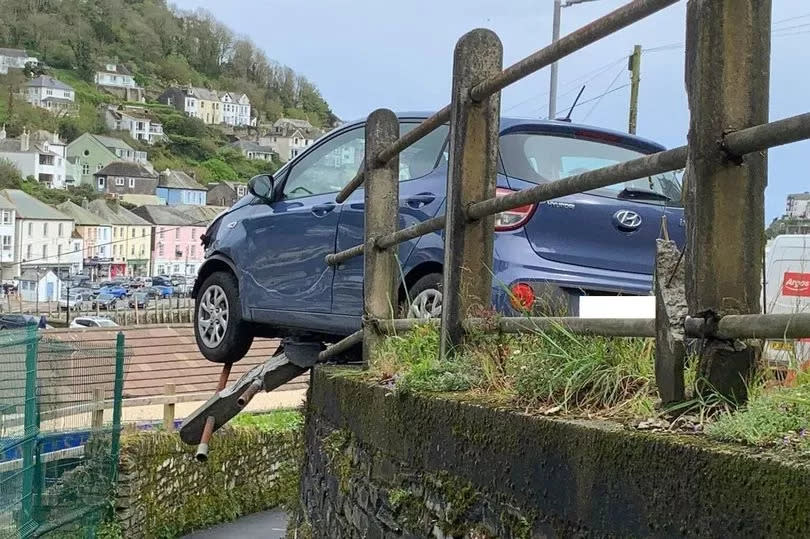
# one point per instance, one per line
(3, 132)
(56, 138)
(85, 203)
(25, 140)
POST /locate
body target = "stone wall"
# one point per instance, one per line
(383, 465)
(164, 492)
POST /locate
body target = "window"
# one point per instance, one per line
(45, 229)
(132, 233)
(193, 251)
(30, 229)
(161, 232)
(6, 217)
(59, 251)
(44, 251)
(85, 169)
(295, 140)
(61, 229)
(28, 252)
(143, 232)
(160, 251)
(132, 250)
(45, 159)
(543, 158)
(7, 243)
(131, 183)
(77, 246)
(99, 167)
(48, 92)
(177, 268)
(101, 182)
(177, 233)
(329, 167)
(240, 190)
(119, 181)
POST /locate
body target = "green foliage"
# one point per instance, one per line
(776, 417)
(279, 420)
(10, 177)
(216, 169)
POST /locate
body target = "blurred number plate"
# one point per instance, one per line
(782, 345)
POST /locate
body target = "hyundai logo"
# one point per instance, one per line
(626, 220)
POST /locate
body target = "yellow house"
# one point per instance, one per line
(131, 245)
(209, 107)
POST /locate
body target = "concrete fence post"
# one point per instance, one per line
(727, 76)
(169, 409)
(381, 217)
(470, 178)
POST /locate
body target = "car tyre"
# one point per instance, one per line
(424, 298)
(222, 336)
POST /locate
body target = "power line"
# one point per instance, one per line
(610, 86)
(600, 96)
(806, 15)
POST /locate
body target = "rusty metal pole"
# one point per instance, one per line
(470, 178)
(727, 76)
(381, 217)
(210, 422)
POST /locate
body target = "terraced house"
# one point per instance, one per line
(131, 238)
(199, 103)
(94, 152)
(97, 235)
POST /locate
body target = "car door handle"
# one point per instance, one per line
(422, 199)
(322, 209)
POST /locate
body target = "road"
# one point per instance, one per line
(266, 525)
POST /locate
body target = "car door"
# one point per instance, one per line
(423, 178)
(287, 239)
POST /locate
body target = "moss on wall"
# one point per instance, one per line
(164, 492)
(428, 465)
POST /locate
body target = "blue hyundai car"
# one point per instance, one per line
(265, 275)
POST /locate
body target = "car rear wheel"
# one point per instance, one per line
(222, 336)
(424, 299)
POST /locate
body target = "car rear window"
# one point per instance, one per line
(539, 158)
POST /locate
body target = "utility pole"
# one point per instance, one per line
(634, 66)
(555, 36)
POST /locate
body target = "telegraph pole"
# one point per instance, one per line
(634, 66)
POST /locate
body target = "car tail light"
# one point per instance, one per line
(522, 297)
(514, 218)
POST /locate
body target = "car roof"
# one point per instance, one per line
(552, 127)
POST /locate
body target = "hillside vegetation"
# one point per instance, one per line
(161, 46)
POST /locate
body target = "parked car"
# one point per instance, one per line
(17, 321)
(74, 301)
(161, 280)
(92, 322)
(105, 301)
(264, 272)
(114, 290)
(160, 291)
(141, 299)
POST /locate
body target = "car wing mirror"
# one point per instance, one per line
(261, 186)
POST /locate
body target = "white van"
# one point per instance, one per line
(787, 290)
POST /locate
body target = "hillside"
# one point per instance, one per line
(161, 47)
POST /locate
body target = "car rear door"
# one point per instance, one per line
(614, 228)
(288, 239)
(423, 178)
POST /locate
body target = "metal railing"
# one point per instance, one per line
(724, 199)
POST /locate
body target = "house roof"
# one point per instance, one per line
(204, 94)
(28, 207)
(141, 200)
(113, 213)
(5, 204)
(120, 69)
(138, 114)
(112, 142)
(180, 215)
(80, 215)
(303, 124)
(32, 275)
(126, 168)
(44, 81)
(177, 179)
(250, 146)
(13, 53)
(799, 196)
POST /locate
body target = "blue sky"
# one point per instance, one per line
(365, 54)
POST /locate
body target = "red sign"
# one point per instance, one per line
(796, 284)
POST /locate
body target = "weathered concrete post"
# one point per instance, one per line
(670, 313)
(470, 178)
(727, 74)
(381, 217)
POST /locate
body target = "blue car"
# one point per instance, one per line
(113, 290)
(264, 273)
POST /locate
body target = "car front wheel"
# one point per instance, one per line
(222, 336)
(424, 299)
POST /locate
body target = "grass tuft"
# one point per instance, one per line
(278, 420)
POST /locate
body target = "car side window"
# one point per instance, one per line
(329, 167)
(425, 155)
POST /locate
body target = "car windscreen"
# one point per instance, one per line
(540, 158)
(103, 323)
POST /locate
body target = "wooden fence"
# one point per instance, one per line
(716, 298)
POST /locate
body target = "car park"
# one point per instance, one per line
(105, 301)
(139, 300)
(115, 290)
(265, 274)
(74, 301)
(92, 322)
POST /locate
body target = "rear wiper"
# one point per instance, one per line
(631, 192)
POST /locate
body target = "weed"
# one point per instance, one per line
(279, 420)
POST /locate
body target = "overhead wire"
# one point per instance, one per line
(610, 86)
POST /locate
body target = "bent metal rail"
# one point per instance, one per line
(728, 48)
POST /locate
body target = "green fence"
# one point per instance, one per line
(60, 423)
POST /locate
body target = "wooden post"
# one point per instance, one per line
(97, 418)
(470, 178)
(381, 217)
(137, 320)
(168, 409)
(727, 77)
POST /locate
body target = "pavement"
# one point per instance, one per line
(265, 525)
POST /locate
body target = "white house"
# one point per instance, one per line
(289, 137)
(236, 110)
(134, 120)
(15, 58)
(115, 76)
(51, 94)
(252, 150)
(42, 159)
(7, 220)
(43, 236)
(40, 285)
